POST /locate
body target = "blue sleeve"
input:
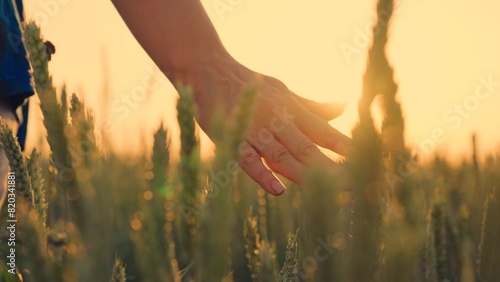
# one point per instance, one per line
(20, 9)
(15, 69)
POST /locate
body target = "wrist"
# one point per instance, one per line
(203, 69)
(216, 82)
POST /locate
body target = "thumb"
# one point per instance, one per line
(326, 111)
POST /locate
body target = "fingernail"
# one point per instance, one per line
(277, 188)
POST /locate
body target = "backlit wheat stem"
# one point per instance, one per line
(17, 162)
(366, 218)
(252, 242)
(439, 235)
(489, 250)
(289, 269)
(54, 118)
(118, 271)
(34, 254)
(189, 170)
(219, 199)
(35, 173)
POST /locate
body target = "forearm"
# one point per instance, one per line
(177, 34)
(182, 41)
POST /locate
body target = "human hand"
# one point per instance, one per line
(284, 129)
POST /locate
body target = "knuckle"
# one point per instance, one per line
(275, 82)
(306, 148)
(280, 156)
(249, 157)
(330, 133)
(262, 175)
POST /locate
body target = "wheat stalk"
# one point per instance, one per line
(17, 162)
(55, 120)
(219, 199)
(267, 259)
(252, 243)
(82, 135)
(488, 257)
(289, 270)
(366, 217)
(189, 170)
(34, 256)
(34, 171)
(438, 219)
(118, 272)
(161, 160)
(260, 254)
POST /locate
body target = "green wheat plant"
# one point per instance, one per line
(189, 174)
(118, 272)
(259, 252)
(153, 238)
(35, 172)
(88, 213)
(288, 271)
(17, 162)
(55, 117)
(487, 262)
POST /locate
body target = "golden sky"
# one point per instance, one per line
(446, 56)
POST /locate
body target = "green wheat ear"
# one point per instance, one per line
(34, 255)
(267, 257)
(161, 160)
(189, 171)
(35, 173)
(38, 55)
(219, 198)
(259, 253)
(118, 272)
(160, 185)
(438, 221)
(81, 133)
(366, 218)
(54, 115)
(252, 242)
(289, 270)
(17, 162)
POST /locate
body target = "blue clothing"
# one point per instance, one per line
(15, 70)
(15, 76)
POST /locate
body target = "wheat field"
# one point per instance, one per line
(88, 214)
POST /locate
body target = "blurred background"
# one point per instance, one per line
(439, 50)
(133, 213)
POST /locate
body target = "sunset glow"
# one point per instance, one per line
(445, 55)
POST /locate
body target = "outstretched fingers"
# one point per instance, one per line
(326, 111)
(276, 156)
(323, 134)
(302, 147)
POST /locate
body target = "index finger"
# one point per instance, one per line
(323, 134)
